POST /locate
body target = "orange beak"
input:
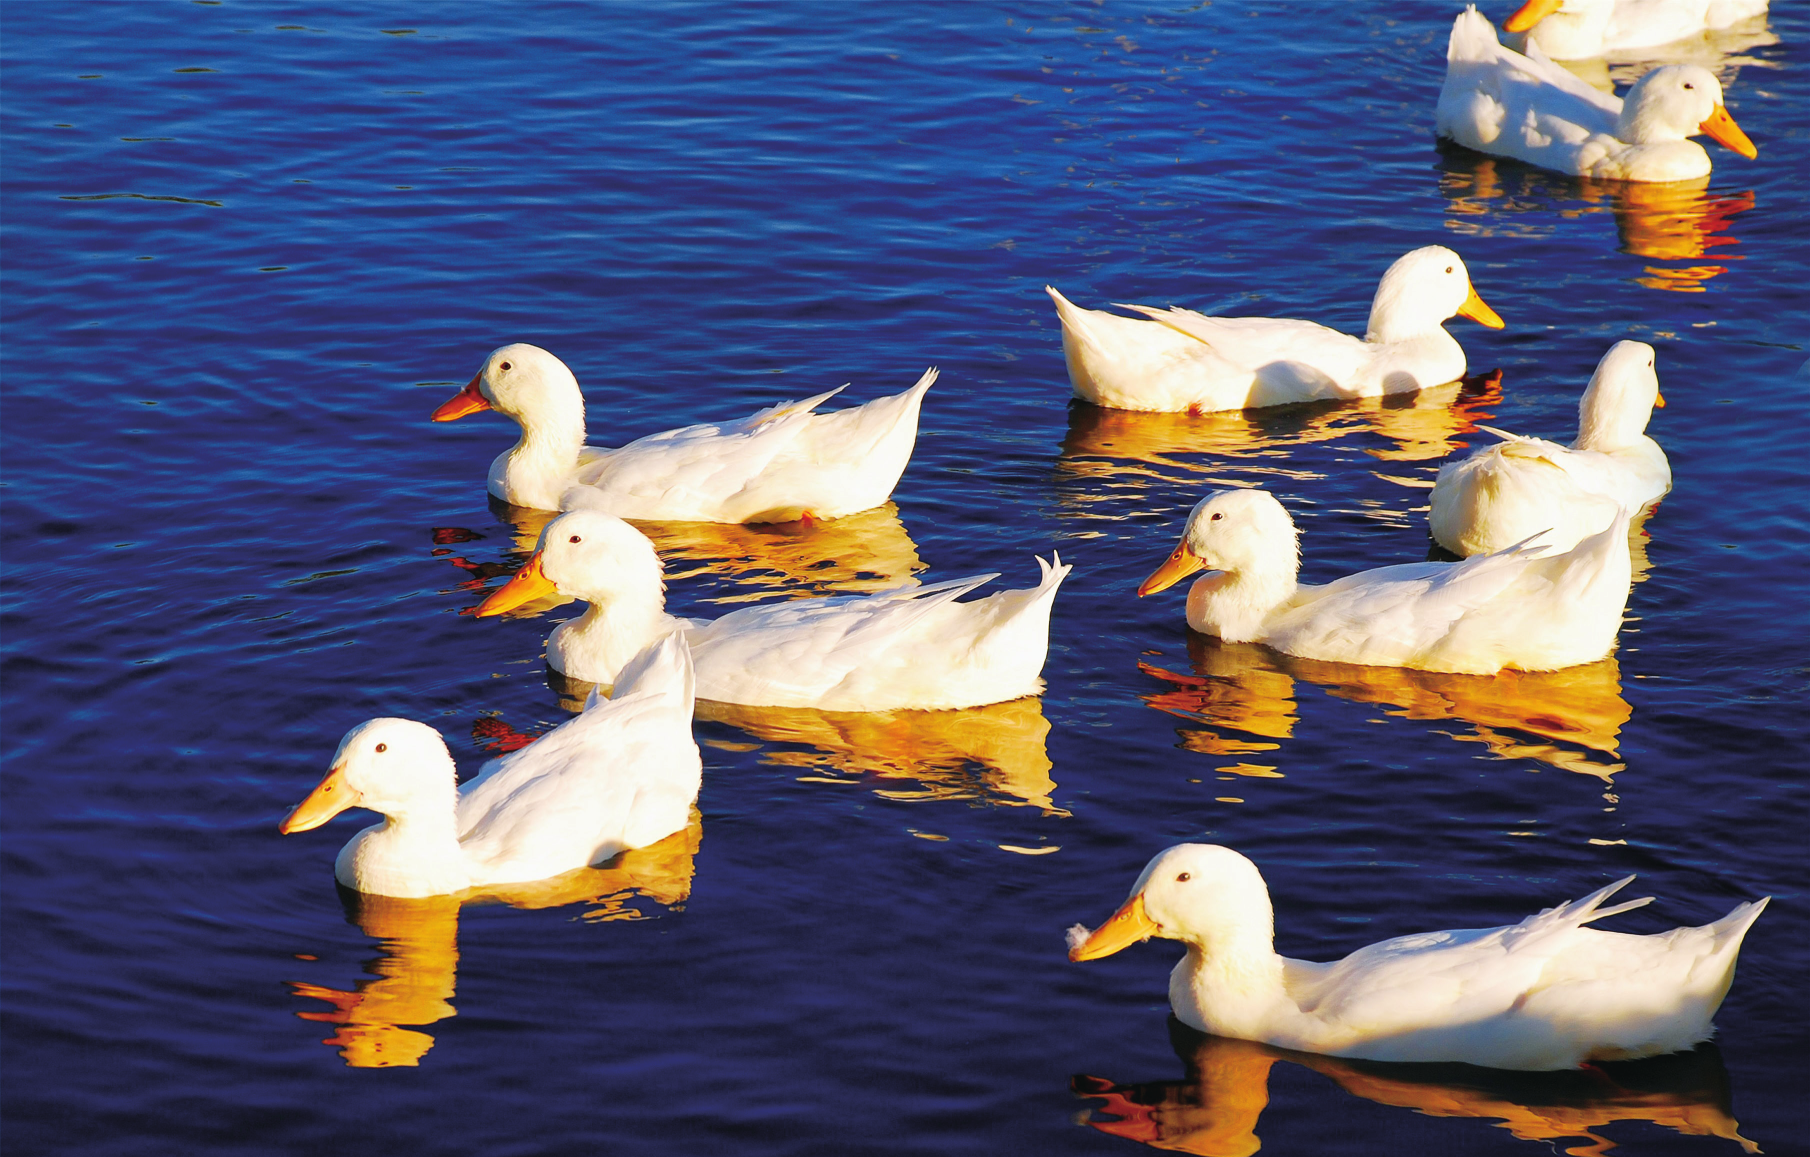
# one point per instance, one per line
(1659, 400)
(330, 797)
(466, 401)
(1530, 14)
(1178, 566)
(1721, 128)
(1128, 925)
(528, 584)
(1474, 309)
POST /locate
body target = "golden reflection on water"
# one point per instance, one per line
(1569, 719)
(1678, 221)
(998, 752)
(1120, 453)
(1214, 1110)
(376, 1022)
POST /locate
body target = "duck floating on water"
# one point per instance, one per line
(1526, 107)
(1581, 29)
(1501, 494)
(782, 464)
(1547, 993)
(1183, 360)
(622, 775)
(1521, 607)
(915, 647)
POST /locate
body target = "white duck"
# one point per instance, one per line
(1526, 107)
(910, 648)
(621, 775)
(1581, 29)
(1183, 360)
(1501, 494)
(1515, 608)
(781, 464)
(1547, 993)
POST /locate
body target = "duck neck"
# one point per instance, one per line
(413, 852)
(1231, 979)
(1605, 422)
(617, 627)
(537, 469)
(1235, 604)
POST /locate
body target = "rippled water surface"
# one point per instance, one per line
(249, 247)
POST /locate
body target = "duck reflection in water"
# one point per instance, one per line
(859, 553)
(997, 753)
(376, 1023)
(1569, 719)
(1120, 453)
(1214, 1109)
(1679, 221)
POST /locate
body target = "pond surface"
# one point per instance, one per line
(248, 249)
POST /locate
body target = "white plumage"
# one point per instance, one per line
(1504, 493)
(781, 464)
(1547, 993)
(1501, 102)
(1518, 608)
(1183, 360)
(1580, 29)
(915, 647)
(623, 774)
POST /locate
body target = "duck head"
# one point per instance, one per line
(391, 766)
(1679, 101)
(1619, 401)
(1236, 531)
(523, 382)
(583, 554)
(1421, 290)
(1200, 893)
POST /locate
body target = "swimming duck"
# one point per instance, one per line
(1526, 107)
(1547, 993)
(1580, 29)
(621, 775)
(912, 647)
(1501, 494)
(1519, 607)
(1183, 360)
(781, 464)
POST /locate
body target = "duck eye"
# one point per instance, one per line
(1690, 86)
(1217, 515)
(505, 366)
(1448, 269)
(1184, 877)
(383, 747)
(575, 538)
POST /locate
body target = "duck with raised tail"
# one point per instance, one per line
(1501, 494)
(1581, 29)
(1526, 107)
(916, 647)
(782, 464)
(1519, 607)
(622, 775)
(1183, 360)
(1547, 993)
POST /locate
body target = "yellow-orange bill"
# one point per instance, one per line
(1128, 925)
(1530, 14)
(329, 797)
(1474, 309)
(1721, 128)
(528, 584)
(467, 401)
(1659, 400)
(1178, 566)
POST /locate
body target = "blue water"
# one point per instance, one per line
(249, 247)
